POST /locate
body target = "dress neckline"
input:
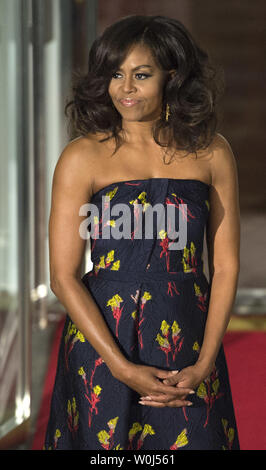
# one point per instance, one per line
(115, 183)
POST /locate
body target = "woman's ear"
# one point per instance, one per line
(172, 73)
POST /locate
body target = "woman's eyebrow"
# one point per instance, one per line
(139, 67)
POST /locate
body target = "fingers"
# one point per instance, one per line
(170, 390)
(171, 380)
(181, 395)
(171, 404)
(164, 374)
(173, 391)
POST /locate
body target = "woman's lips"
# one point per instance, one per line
(129, 103)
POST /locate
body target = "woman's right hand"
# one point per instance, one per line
(145, 380)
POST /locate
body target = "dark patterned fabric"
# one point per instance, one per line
(155, 302)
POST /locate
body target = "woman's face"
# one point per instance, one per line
(136, 88)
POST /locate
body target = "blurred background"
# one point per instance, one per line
(41, 44)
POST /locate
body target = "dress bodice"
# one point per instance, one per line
(137, 198)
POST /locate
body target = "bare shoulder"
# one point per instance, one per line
(77, 162)
(223, 162)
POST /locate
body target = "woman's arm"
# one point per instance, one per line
(223, 242)
(72, 187)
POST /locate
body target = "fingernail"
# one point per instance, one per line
(140, 402)
(190, 393)
(145, 398)
(189, 403)
(174, 371)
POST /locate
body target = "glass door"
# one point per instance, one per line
(15, 217)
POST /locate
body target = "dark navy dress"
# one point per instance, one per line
(155, 302)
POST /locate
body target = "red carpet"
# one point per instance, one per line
(245, 353)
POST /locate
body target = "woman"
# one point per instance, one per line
(141, 363)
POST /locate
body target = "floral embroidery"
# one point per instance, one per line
(165, 243)
(106, 262)
(172, 286)
(177, 202)
(229, 434)
(56, 437)
(73, 416)
(164, 343)
(114, 303)
(140, 319)
(208, 391)
(69, 344)
(201, 298)
(189, 259)
(139, 201)
(181, 440)
(96, 233)
(107, 438)
(93, 394)
(196, 347)
(136, 427)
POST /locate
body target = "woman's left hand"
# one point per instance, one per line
(189, 377)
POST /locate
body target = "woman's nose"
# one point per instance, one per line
(128, 85)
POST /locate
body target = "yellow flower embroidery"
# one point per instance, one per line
(202, 392)
(106, 261)
(71, 329)
(230, 433)
(163, 342)
(189, 257)
(73, 414)
(112, 423)
(102, 262)
(196, 346)
(97, 390)
(103, 437)
(110, 256)
(162, 234)
(81, 371)
(175, 328)
(216, 385)
(197, 290)
(80, 337)
(192, 249)
(111, 223)
(182, 439)
(115, 266)
(164, 327)
(114, 301)
(142, 198)
(146, 296)
(148, 429)
(118, 447)
(136, 427)
(112, 193)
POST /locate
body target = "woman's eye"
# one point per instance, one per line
(114, 75)
(143, 75)
(138, 75)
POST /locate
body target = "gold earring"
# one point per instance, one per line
(167, 112)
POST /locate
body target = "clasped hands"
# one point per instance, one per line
(159, 388)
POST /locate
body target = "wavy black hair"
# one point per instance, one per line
(192, 93)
